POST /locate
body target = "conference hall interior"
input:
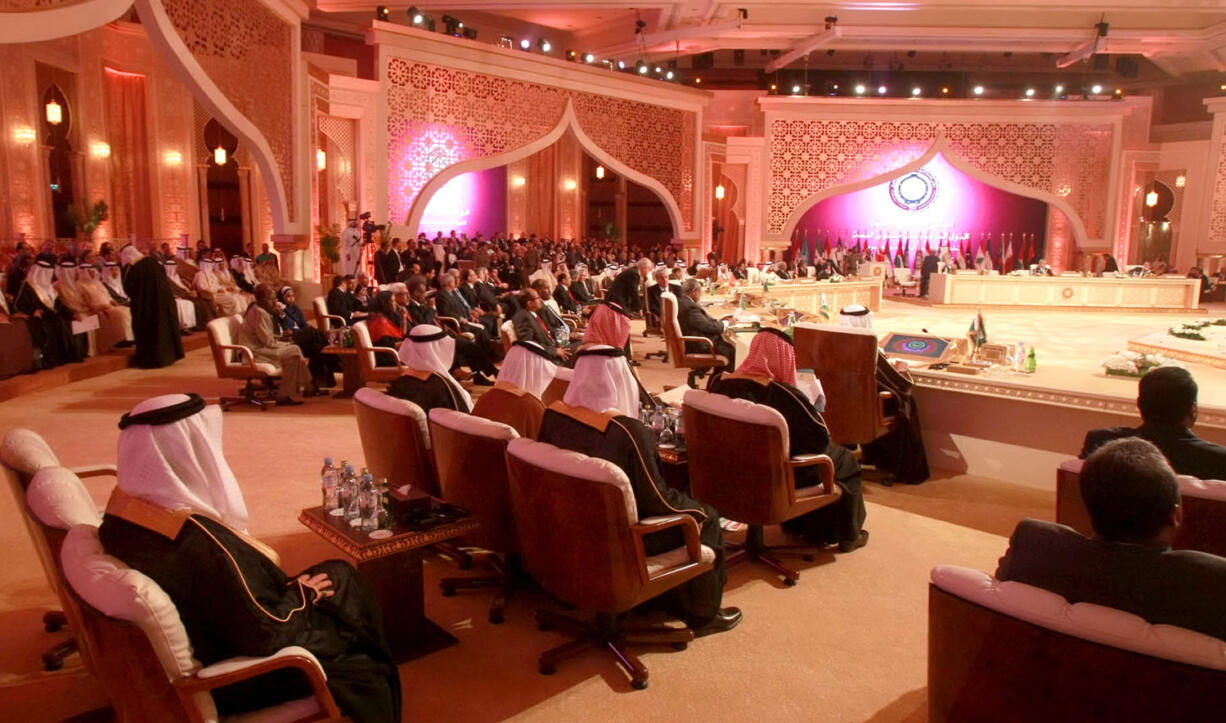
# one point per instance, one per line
(547, 360)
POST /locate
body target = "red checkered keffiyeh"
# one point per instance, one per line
(770, 355)
(607, 326)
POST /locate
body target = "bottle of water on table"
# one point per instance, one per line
(329, 482)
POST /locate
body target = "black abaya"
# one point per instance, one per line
(50, 330)
(155, 318)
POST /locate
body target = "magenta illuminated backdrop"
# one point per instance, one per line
(469, 203)
(959, 205)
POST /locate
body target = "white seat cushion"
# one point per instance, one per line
(673, 558)
(58, 499)
(26, 451)
(741, 410)
(1087, 621)
(573, 464)
(471, 424)
(1209, 489)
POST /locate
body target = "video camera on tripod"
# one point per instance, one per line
(369, 227)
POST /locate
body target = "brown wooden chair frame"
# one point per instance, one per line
(674, 342)
(260, 388)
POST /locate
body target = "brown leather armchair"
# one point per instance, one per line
(470, 455)
(845, 362)
(557, 388)
(395, 440)
(698, 363)
(367, 357)
(739, 463)
(234, 361)
(323, 320)
(581, 539)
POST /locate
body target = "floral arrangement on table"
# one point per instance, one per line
(1194, 330)
(1122, 275)
(1135, 364)
(834, 278)
(1019, 272)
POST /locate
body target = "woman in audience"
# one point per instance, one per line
(178, 516)
(386, 324)
(768, 376)
(515, 399)
(429, 352)
(309, 339)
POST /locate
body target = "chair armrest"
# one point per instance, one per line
(95, 470)
(235, 670)
(340, 320)
(248, 357)
(389, 350)
(571, 320)
(700, 340)
(814, 460)
(688, 525)
(448, 322)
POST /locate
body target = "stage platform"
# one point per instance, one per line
(1211, 351)
(1149, 295)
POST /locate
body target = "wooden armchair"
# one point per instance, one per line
(698, 363)
(581, 539)
(23, 453)
(323, 320)
(739, 463)
(1203, 503)
(846, 360)
(144, 657)
(903, 280)
(368, 361)
(470, 454)
(234, 361)
(1004, 651)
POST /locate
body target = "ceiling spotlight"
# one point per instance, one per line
(881, 89)
(1059, 89)
(589, 58)
(641, 67)
(525, 44)
(415, 15)
(698, 81)
(1030, 92)
(1119, 91)
(978, 90)
(860, 90)
(452, 25)
(621, 65)
(774, 87)
(382, 13)
(571, 55)
(795, 90)
(916, 91)
(1096, 89)
(668, 75)
(544, 45)
(945, 91)
(659, 70)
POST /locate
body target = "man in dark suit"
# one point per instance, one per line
(695, 321)
(450, 302)
(562, 295)
(340, 300)
(388, 269)
(1166, 398)
(1133, 500)
(928, 267)
(467, 352)
(532, 322)
(654, 291)
(582, 289)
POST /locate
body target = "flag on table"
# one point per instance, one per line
(978, 331)
(824, 310)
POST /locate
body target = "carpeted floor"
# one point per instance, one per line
(847, 644)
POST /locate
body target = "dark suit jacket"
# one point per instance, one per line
(448, 304)
(583, 291)
(487, 296)
(340, 304)
(380, 257)
(695, 321)
(389, 266)
(653, 296)
(422, 314)
(470, 295)
(1187, 453)
(1164, 586)
(528, 328)
(566, 300)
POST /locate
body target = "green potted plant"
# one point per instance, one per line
(87, 218)
(329, 249)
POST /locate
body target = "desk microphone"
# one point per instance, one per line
(923, 330)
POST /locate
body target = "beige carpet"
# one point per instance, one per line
(847, 644)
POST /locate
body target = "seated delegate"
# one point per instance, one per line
(1133, 499)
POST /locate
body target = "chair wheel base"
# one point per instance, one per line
(680, 646)
(51, 663)
(789, 581)
(638, 684)
(547, 669)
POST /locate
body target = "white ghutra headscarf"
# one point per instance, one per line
(602, 382)
(529, 367)
(170, 454)
(430, 349)
(113, 279)
(41, 279)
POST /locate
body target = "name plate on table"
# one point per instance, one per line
(89, 323)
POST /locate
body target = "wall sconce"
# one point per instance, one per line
(600, 172)
(321, 159)
(25, 135)
(100, 150)
(719, 192)
(518, 181)
(1181, 181)
(569, 184)
(55, 113)
(1151, 199)
(172, 158)
(219, 156)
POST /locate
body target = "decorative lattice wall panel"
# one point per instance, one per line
(1217, 220)
(438, 117)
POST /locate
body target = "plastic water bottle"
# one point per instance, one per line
(368, 504)
(353, 511)
(328, 480)
(657, 421)
(349, 489)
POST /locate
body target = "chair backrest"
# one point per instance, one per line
(993, 647)
(738, 453)
(902, 275)
(507, 332)
(671, 327)
(513, 407)
(395, 440)
(1203, 503)
(321, 313)
(365, 348)
(845, 362)
(470, 454)
(572, 517)
(222, 332)
(129, 621)
(23, 453)
(557, 388)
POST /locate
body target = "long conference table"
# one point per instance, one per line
(806, 296)
(1066, 292)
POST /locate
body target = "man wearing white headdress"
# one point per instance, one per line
(115, 320)
(515, 399)
(243, 272)
(155, 321)
(855, 316)
(260, 334)
(192, 309)
(211, 287)
(112, 279)
(598, 417)
(178, 516)
(225, 279)
(428, 352)
(50, 319)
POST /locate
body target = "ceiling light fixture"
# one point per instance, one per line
(525, 44)
(881, 90)
(415, 15)
(860, 90)
(1030, 92)
(220, 156)
(719, 192)
(544, 45)
(600, 172)
(589, 58)
(978, 90)
(54, 113)
(916, 91)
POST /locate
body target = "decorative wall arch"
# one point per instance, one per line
(568, 122)
(940, 146)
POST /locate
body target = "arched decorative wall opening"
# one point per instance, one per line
(223, 213)
(58, 133)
